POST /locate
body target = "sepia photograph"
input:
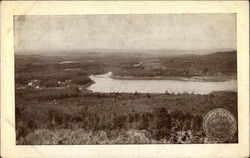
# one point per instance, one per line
(126, 79)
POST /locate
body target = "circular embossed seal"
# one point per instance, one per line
(219, 124)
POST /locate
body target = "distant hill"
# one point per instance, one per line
(223, 54)
(155, 52)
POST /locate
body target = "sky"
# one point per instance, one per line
(80, 33)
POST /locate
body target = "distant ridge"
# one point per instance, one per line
(160, 52)
(221, 54)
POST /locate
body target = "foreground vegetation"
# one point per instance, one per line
(107, 118)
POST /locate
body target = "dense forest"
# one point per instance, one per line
(164, 117)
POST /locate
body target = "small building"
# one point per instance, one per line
(37, 87)
(33, 83)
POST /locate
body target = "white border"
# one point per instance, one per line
(10, 8)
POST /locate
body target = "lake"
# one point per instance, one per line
(104, 83)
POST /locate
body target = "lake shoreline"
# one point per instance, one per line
(179, 78)
(109, 82)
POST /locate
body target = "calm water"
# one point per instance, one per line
(104, 83)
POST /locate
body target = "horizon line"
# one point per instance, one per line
(100, 50)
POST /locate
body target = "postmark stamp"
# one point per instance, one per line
(219, 124)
